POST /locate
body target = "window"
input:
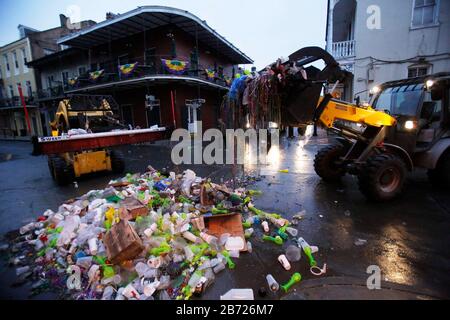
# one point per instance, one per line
(25, 60)
(16, 63)
(6, 61)
(81, 70)
(11, 91)
(29, 89)
(403, 100)
(65, 76)
(418, 71)
(50, 80)
(425, 13)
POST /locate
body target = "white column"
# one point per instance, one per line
(330, 27)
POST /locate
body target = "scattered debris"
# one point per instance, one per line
(360, 242)
(149, 236)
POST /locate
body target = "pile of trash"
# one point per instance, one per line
(145, 237)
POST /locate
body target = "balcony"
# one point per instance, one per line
(16, 102)
(343, 49)
(140, 67)
(51, 93)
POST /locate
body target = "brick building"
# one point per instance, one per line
(152, 53)
(14, 71)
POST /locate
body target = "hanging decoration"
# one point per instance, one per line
(175, 66)
(227, 80)
(126, 69)
(73, 81)
(96, 74)
(210, 74)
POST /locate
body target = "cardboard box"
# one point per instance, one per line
(131, 209)
(122, 243)
(226, 223)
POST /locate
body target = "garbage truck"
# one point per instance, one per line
(84, 129)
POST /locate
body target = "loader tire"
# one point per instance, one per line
(382, 177)
(325, 163)
(62, 171)
(117, 161)
(440, 176)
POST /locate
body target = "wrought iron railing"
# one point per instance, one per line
(139, 67)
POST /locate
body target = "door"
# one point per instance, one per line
(153, 115)
(127, 115)
(431, 119)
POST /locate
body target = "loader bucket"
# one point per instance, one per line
(302, 96)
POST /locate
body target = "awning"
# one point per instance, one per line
(150, 17)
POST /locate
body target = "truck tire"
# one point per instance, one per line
(63, 172)
(325, 163)
(440, 176)
(382, 177)
(117, 161)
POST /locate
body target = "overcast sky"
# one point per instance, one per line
(262, 29)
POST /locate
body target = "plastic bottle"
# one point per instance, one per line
(273, 284)
(292, 231)
(107, 293)
(130, 292)
(163, 295)
(293, 253)
(284, 262)
(277, 240)
(27, 228)
(234, 253)
(188, 253)
(195, 278)
(248, 232)
(208, 238)
(296, 278)
(93, 247)
(307, 250)
(219, 267)
(238, 294)
(265, 226)
(191, 237)
(249, 247)
(149, 231)
(234, 243)
(84, 262)
(22, 270)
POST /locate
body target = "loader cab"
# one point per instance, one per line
(421, 107)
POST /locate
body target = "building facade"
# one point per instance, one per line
(384, 40)
(15, 72)
(153, 60)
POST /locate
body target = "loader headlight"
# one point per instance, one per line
(410, 125)
(429, 84)
(375, 90)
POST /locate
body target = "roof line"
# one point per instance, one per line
(106, 85)
(150, 9)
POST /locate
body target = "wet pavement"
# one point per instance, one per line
(407, 238)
